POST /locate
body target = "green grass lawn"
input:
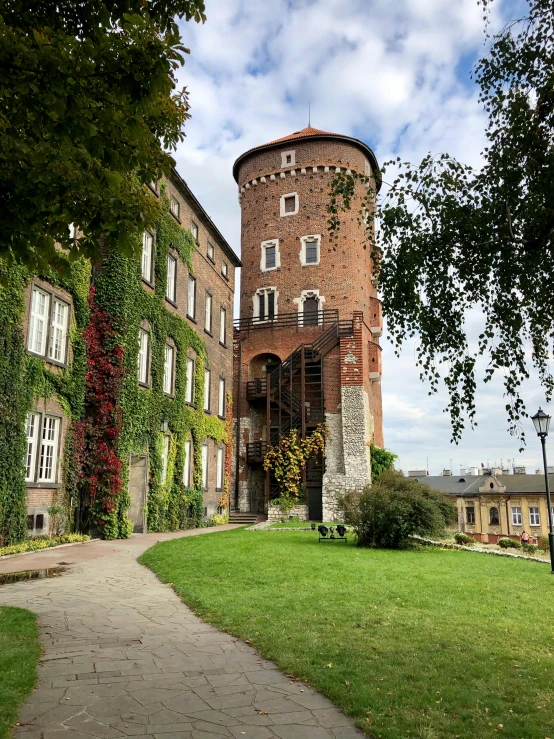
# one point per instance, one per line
(19, 653)
(422, 643)
(296, 525)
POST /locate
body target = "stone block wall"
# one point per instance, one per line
(275, 514)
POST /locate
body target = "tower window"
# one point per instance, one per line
(288, 158)
(310, 249)
(289, 204)
(265, 304)
(270, 258)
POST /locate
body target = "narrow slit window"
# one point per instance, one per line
(189, 391)
(168, 369)
(143, 356)
(187, 468)
(205, 466)
(170, 291)
(191, 298)
(207, 383)
(223, 326)
(208, 314)
(220, 468)
(221, 398)
(147, 252)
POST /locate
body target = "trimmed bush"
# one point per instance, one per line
(529, 548)
(506, 543)
(32, 545)
(543, 543)
(394, 508)
(464, 539)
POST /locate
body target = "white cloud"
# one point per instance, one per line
(395, 74)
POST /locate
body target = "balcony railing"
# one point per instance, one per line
(256, 388)
(255, 451)
(289, 320)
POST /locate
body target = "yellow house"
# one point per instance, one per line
(493, 506)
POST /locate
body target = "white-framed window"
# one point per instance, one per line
(205, 466)
(207, 387)
(189, 390)
(211, 252)
(310, 307)
(144, 343)
(270, 256)
(165, 458)
(33, 428)
(223, 326)
(175, 206)
(289, 204)
(265, 304)
(147, 256)
(220, 468)
(194, 230)
(58, 331)
(221, 398)
(534, 517)
(225, 270)
(208, 313)
(187, 467)
(288, 158)
(171, 281)
(169, 356)
(48, 460)
(310, 249)
(38, 324)
(191, 298)
(516, 516)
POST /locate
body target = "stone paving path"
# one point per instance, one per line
(124, 657)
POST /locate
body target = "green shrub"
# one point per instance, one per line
(543, 543)
(529, 548)
(33, 545)
(507, 543)
(464, 539)
(394, 508)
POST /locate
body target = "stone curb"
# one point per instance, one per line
(45, 549)
(479, 550)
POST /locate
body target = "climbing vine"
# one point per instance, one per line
(111, 416)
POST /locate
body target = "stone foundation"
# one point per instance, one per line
(274, 513)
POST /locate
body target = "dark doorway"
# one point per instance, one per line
(315, 503)
(311, 309)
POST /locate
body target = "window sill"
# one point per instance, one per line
(147, 282)
(191, 318)
(211, 260)
(270, 269)
(189, 403)
(225, 277)
(223, 345)
(219, 490)
(208, 332)
(144, 385)
(46, 359)
(176, 217)
(171, 396)
(207, 411)
(171, 302)
(156, 193)
(47, 485)
(221, 417)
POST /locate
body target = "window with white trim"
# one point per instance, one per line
(175, 207)
(208, 313)
(189, 390)
(516, 516)
(143, 358)
(220, 468)
(211, 252)
(288, 158)
(191, 298)
(310, 249)
(270, 257)
(265, 304)
(169, 357)
(147, 256)
(187, 467)
(58, 331)
(48, 460)
(221, 398)
(165, 458)
(38, 324)
(171, 282)
(194, 230)
(225, 270)
(33, 428)
(207, 384)
(205, 466)
(223, 326)
(289, 204)
(534, 517)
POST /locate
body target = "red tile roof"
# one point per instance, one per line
(308, 131)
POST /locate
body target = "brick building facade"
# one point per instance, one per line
(306, 344)
(203, 298)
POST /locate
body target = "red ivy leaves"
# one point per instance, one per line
(101, 466)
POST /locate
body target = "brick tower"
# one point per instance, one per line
(306, 346)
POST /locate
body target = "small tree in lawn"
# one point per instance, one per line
(394, 508)
(287, 460)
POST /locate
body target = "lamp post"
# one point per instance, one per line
(541, 421)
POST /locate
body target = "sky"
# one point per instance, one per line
(393, 73)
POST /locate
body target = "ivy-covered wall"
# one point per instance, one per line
(111, 415)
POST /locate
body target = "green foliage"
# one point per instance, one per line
(19, 655)
(464, 539)
(89, 110)
(529, 548)
(543, 543)
(32, 545)
(452, 238)
(394, 508)
(506, 543)
(381, 460)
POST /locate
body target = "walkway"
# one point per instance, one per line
(124, 657)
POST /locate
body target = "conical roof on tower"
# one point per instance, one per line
(310, 133)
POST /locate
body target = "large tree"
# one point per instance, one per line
(89, 111)
(451, 238)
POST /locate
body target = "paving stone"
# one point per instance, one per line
(311, 701)
(186, 704)
(170, 728)
(347, 732)
(230, 701)
(213, 728)
(331, 718)
(159, 695)
(215, 717)
(252, 732)
(298, 731)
